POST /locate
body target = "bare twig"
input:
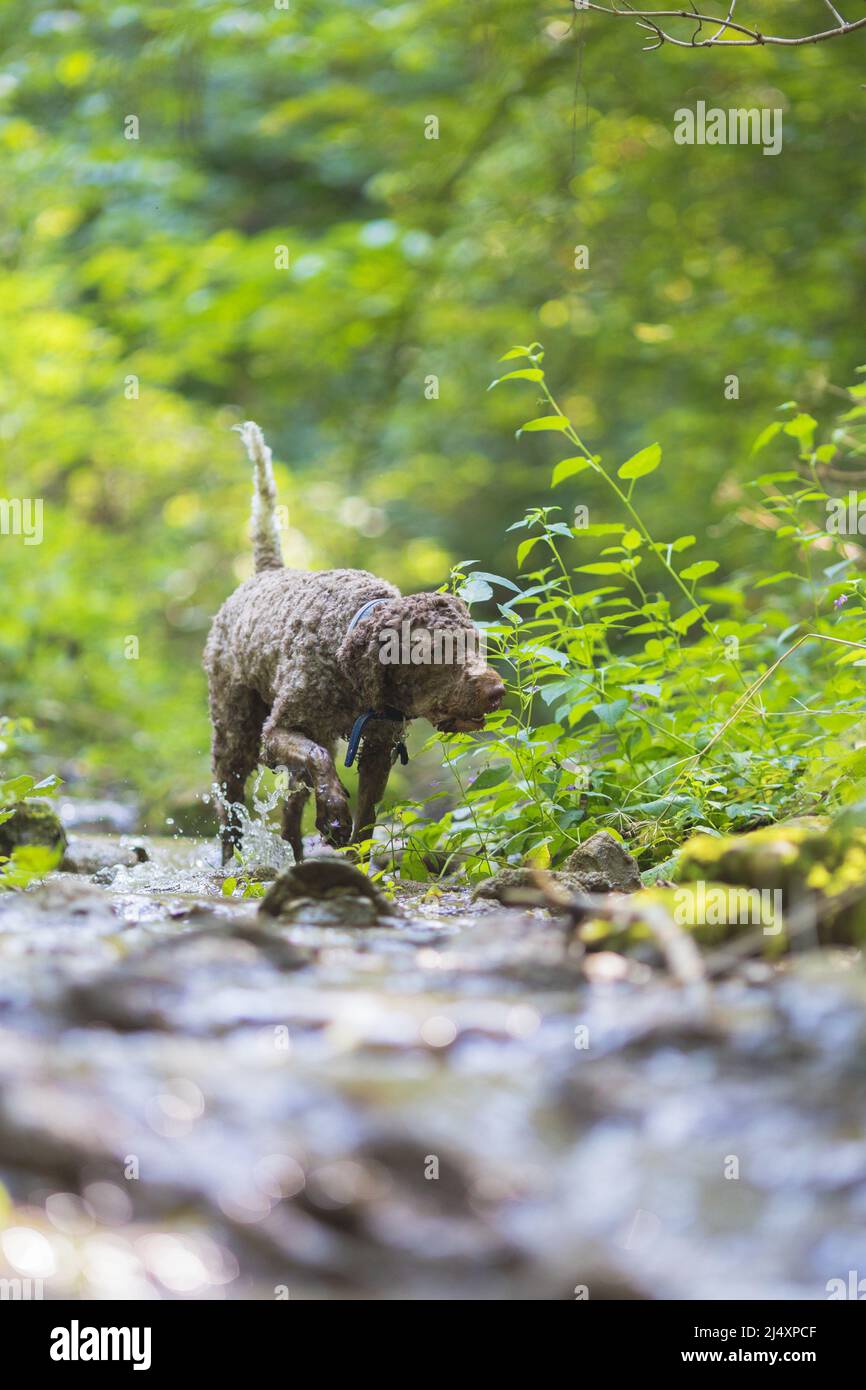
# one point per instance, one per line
(728, 32)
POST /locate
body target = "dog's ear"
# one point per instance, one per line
(360, 655)
(372, 657)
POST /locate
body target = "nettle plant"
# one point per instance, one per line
(648, 698)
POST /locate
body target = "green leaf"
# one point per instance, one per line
(600, 567)
(698, 570)
(568, 468)
(766, 435)
(495, 579)
(687, 620)
(475, 590)
(490, 777)
(524, 549)
(610, 714)
(647, 461)
(802, 428)
(544, 422)
(16, 789)
(519, 352)
(787, 475)
(775, 579)
(47, 785)
(524, 374)
(645, 688)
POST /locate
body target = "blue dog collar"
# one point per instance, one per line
(361, 723)
(363, 611)
(387, 713)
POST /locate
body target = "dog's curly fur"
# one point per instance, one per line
(287, 678)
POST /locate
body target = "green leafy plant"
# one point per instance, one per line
(650, 695)
(27, 862)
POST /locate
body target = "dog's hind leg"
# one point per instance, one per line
(292, 815)
(237, 715)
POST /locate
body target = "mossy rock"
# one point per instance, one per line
(31, 823)
(706, 916)
(806, 860)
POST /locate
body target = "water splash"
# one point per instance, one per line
(261, 847)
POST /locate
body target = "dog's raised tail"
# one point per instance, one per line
(267, 550)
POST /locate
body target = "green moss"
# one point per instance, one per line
(31, 823)
(806, 860)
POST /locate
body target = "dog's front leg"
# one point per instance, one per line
(374, 769)
(312, 764)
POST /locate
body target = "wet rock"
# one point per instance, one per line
(106, 876)
(504, 887)
(32, 823)
(328, 892)
(710, 914)
(59, 902)
(776, 856)
(604, 865)
(208, 980)
(92, 853)
(529, 952)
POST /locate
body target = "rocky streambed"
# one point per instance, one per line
(428, 1097)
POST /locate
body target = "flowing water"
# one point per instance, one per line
(197, 1101)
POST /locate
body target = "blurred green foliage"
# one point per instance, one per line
(26, 861)
(409, 258)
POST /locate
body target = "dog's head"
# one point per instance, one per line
(422, 655)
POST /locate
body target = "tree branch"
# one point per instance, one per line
(728, 32)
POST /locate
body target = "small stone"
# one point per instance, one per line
(329, 892)
(106, 876)
(509, 881)
(96, 854)
(604, 865)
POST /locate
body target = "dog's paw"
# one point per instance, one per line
(334, 820)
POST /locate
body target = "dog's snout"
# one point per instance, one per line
(494, 694)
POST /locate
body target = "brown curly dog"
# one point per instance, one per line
(296, 659)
